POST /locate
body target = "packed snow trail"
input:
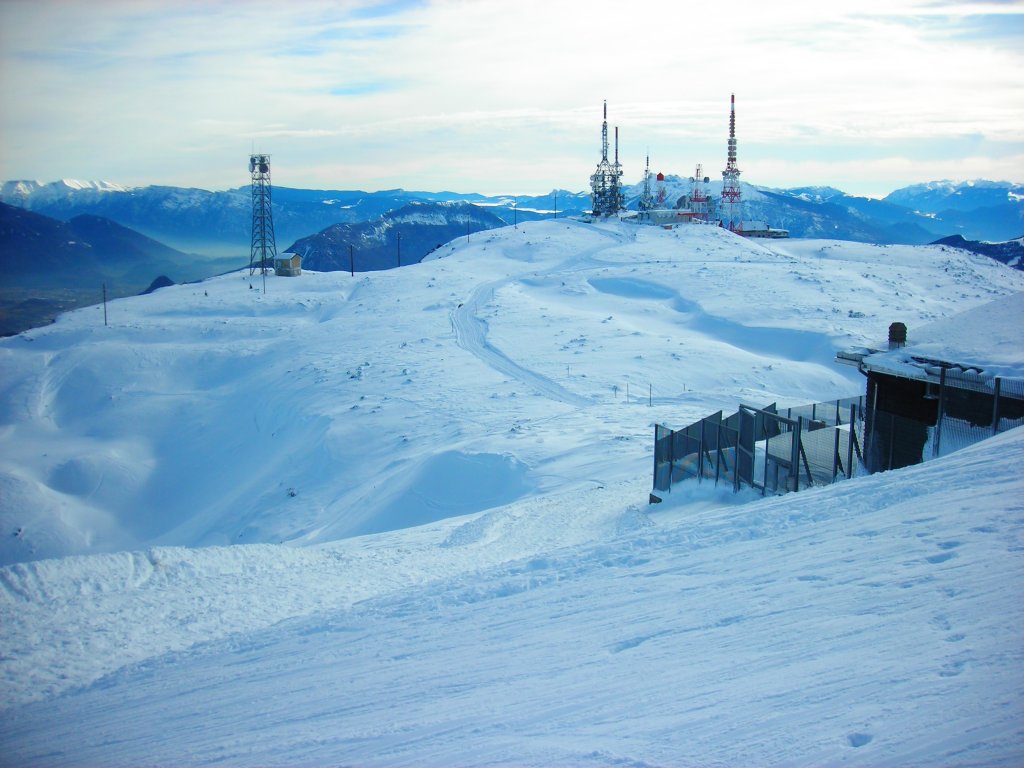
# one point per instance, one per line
(471, 335)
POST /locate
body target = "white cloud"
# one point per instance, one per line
(467, 94)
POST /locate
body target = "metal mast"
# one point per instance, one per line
(606, 188)
(646, 200)
(698, 194)
(264, 250)
(731, 203)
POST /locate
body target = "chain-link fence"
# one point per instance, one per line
(958, 410)
(905, 422)
(770, 449)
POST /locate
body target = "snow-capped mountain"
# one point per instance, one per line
(940, 196)
(220, 223)
(406, 234)
(977, 210)
(831, 213)
(38, 193)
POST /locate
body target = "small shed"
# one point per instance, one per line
(288, 265)
(951, 383)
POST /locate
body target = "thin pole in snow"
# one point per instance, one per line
(104, 304)
(351, 262)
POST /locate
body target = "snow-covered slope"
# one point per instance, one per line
(334, 406)
(875, 622)
(541, 613)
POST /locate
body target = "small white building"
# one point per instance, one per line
(288, 265)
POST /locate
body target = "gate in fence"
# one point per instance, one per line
(770, 449)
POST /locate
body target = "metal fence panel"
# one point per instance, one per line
(763, 448)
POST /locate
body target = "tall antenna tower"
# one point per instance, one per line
(699, 194)
(606, 184)
(263, 250)
(731, 202)
(646, 199)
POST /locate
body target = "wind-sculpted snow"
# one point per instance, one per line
(216, 414)
(400, 519)
(867, 623)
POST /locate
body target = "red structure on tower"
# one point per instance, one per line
(732, 216)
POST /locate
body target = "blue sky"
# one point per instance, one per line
(505, 97)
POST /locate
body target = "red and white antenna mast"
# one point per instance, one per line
(731, 202)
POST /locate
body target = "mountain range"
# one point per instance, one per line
(220, 223)
(64, 240)
(51, 266)
(414, 230)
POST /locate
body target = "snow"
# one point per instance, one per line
(987, 337)
(401, 519)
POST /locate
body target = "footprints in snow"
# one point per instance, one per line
(946, 554)
(857, 740)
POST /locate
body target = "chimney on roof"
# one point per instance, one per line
(897, 335)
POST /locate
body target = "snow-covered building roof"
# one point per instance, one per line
(979, 344)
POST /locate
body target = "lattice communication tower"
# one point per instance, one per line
(731, 202)
(264, 250)
(699, 194)
(646, 198)
(606, 197)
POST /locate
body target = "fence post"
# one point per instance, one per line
(671, 457)
(794, 457)
(995, 406)
(892, 439)
(718, 454)
(837, 461)
(764, 431)
(849, 443)
(700, 455)
(656, 431)
(871, 447)
(938, 421)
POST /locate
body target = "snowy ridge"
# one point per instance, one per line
(506, 359)
(40, 193)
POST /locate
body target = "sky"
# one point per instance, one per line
(504, 97)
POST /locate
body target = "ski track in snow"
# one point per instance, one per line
(539, 613)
